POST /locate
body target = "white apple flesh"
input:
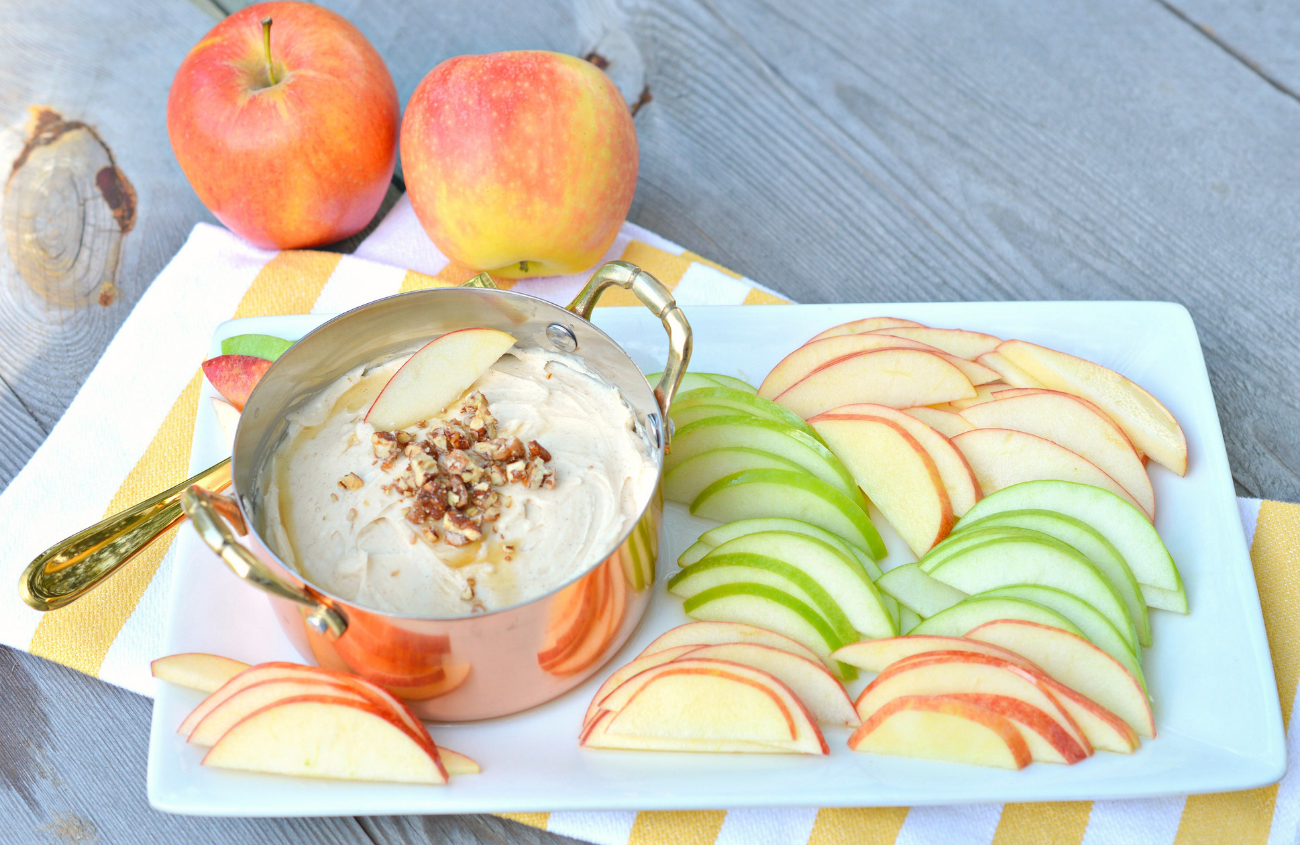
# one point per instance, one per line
(436, 376)
(899, 378)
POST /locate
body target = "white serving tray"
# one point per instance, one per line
(1210, 673)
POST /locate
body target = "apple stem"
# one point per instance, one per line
(266, 45)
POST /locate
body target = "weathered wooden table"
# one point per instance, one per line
(875, 151)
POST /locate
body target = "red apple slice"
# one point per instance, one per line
(1048, 742)
(718, 633)
(869, 324)
(1010, 373)
(944, 673)
(817, 688)
(942, 728)
(235, 376)
(1146, 422)
(703, 705)
(948, 423)
(1001, 457)
(1072, 424)
(436, 376)
(1076, 663)
(899, 378)
(814, 354)
(203, 672)
(227, 419)
(958, 480)
(251, 699)
(959, 342)
(458, 764)
(879, 655)
(325, 739)
(628, 670)
(895, 472)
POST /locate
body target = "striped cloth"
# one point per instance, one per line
(132, 422)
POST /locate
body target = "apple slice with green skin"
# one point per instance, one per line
(721, 570)
(865, 325)
(227, 419)
(771, 492)
(976, 610)
(256, 345)
(1010, 373)
(915, 590)
(733, 383)
(931, 727)
(253, 698)
(1038, 560)
(879, 655)
(325, 739)
(1083, 617)
(720, 633)
(1084, 539)
(958, 480)
(196, 670)
(690, 381)
(1047, 741)
(737, 401)
(628, 670)
(765, 607)
(1078, 664)
(1124, 525)
(1067, 422)
(899, 378)
(908, 619)
(817, 688)
(948, 423)
(715, 537)
(959, 342)
(436, 376)
(688, 479)
(1001, 458)
(705, 705)
(1146, 422)
(235, 376)
(749, 432)
(895, 472)
(954, 672)
(838, 574)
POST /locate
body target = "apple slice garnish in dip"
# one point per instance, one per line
(435, 376)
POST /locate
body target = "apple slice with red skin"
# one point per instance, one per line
(817, 688)
(959, 342)
(879, 655)
(811, 355)
(458, 764)
(196, 670)
(705, 705)
(1001, 458)
(983, 393)
(250, 699)
(947, 672)
(895, 472)
(935, 727)
(718, 633)
(958, 480)
(235, 376)
(899, 378)
(227, 419)
(1048, 742)
(948, 423)
(1076, 663)
(1010, 373)
(628, 670)
(436, 376)
(309, 737)
(865, 325)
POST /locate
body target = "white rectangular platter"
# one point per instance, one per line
(1210, 673)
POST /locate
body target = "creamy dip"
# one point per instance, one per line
(334, 512)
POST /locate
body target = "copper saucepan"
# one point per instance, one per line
(452, 669)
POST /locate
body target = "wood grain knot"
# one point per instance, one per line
(67, 207)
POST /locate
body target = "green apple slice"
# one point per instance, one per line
(715, 537)
(733, 383)
(1043, 561)
(690, 381)
(1096, 628)
(738, 401)
(1173, 600)
(743, 568)
(1123, 525)
(959, 542)
(907, 619)
(766, 607)
(839, 574)
(749, 432)
(256, 345)
(689, 478)
(774, 492)
(917, 591)
(961, 618)
(1087, 541)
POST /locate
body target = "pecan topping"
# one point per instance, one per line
(351, 481)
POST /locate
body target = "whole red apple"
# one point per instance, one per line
(289, 139)
(520, 163)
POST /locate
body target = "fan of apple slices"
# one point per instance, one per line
(290, 719)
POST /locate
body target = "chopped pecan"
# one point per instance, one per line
(517, 471)
(497, 475)
(457, 524)
(535, 450)
(384, 444)
(457, 492)
(351, 481)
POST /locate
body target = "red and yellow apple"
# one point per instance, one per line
(520, 163)
(290, 140)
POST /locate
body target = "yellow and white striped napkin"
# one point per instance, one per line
(127, 434)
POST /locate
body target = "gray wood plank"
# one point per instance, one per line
(1263, 34)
